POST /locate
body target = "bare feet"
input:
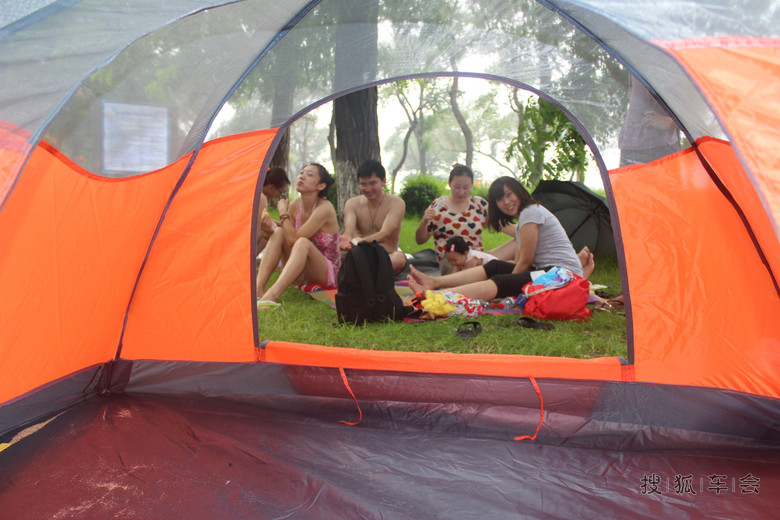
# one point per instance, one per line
(413, 285)
(264, 305)
(424, 281)
(583, 255)
(587, 261)
(267, 301)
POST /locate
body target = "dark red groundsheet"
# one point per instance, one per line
(144, 456)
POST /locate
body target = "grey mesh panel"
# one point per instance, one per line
(61, 64)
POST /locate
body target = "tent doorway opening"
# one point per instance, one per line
(494, 113)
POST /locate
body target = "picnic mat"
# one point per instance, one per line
(425, 261)
(328, 296)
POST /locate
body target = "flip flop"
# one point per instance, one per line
(613, 306)
(267, 304)
(530, 323)
(601, 293)
(468, 329)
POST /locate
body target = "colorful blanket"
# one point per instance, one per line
(328, 296)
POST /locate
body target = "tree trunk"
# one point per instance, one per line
(357, 139)
(419, 131)
(405, 149)
(355, 114)
(332, 135)
(464, 126)
(284, 94)
(418, 137)
(281, 158)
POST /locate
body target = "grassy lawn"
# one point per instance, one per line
(304, 320)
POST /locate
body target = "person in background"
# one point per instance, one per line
(460, 256)
(458, 214)
(374, 215)
(307, 240)
(542, 245)
(275, 184)
(648, 133)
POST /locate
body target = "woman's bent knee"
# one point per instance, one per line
(276, 233)
(301, 246)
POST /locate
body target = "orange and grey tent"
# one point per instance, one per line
(134, 381)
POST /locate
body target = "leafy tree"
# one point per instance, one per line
(419, 99)
(491, 127)
(547, 144)
(308, 142)
(561, 53)
(273, 91)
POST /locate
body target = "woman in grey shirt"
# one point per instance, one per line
(542, 244)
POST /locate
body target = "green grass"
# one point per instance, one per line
(303, 320)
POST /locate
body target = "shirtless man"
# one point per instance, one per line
(374, 215)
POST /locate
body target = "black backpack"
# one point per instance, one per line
(367, 286)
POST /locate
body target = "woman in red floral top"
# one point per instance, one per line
(456, 214)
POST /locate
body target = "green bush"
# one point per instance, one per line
(419, 191)
(481, 191)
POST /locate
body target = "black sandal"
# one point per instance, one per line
(530, 323)
(469, 329)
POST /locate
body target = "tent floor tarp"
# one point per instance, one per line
(286, 455)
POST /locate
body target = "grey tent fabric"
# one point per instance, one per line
(275, 61)
(275, 441)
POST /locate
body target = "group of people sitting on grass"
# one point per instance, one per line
(307, 241)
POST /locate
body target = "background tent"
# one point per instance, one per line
(583, 213)
(134, 381)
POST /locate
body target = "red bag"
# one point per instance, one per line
(563, 303)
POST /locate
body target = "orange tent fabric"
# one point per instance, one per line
(689, 328)
(739, 76)
(72, 244)
(193, 300)
(441, 362)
